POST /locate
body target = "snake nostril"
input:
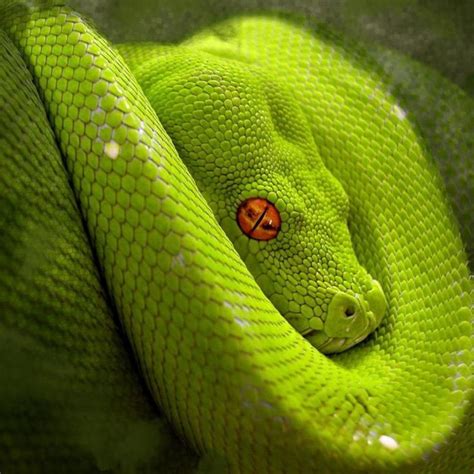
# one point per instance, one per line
(349, 312)
(345, 316)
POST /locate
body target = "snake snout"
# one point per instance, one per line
(350, 319)
(346, 317)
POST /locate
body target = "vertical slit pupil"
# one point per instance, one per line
(258, 218)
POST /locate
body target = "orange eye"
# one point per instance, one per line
(259, 219)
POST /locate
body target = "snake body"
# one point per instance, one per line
(232, 376)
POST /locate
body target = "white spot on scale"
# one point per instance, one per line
(241, 322)
(141, 128)
(178, 260)
(388, 442)
(399, 112)
(112, 149)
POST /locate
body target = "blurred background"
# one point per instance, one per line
(436, 32)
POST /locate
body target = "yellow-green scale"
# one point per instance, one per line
(256, 392)
(71, 398)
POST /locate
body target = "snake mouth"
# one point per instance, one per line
(332, 345)
(335, 344)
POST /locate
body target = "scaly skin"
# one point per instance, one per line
(253, 140)
(232, 376)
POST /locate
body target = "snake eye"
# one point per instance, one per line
(259, 219)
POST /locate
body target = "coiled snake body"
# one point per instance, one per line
(232, 376)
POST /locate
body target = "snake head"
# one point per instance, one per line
(245, 138)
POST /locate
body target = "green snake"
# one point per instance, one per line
(122, 172)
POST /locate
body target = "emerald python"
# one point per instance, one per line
(249, 241)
